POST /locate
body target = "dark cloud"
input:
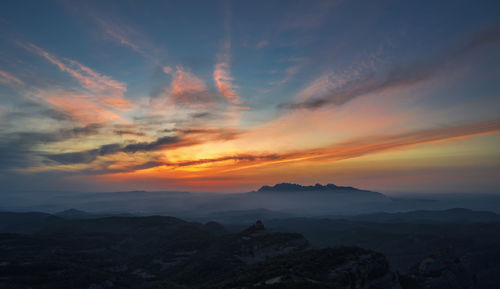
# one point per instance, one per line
(199, 136)
(18, 149)
(402, 75)
(84, 157)
(245, 157)
(216, 134)
(129, 132)
(158, 144)
(35, 109)
(203, 115)
(89, 156)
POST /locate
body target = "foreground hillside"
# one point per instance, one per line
(166, 252)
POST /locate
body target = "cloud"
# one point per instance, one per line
(128, 37)
(88, 78)
(222, 72)
(263, 43)
(224, 81)
(183, 138)
(213, 133)
(121, 33)
(19, 149)
(83, 107)
(290, 72)
(398, 76)
(237, 158)
(167, 69)
(84, 157)
(98, 99)
(8, 79)
(355, 147)
(187, 89)
(101, 93)
(122, 132)
(309, 17)
(89, 156)
(160, 143)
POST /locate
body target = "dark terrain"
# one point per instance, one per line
(214, 248)
(40, 250)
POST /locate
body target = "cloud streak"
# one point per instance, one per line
(19, 149)
(100, 96)
(9, 79)
(222, 73)
(353, 148)
(398, 76)
(89, 79)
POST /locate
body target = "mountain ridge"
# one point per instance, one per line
(293, 187)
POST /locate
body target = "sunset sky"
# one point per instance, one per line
(221, 96)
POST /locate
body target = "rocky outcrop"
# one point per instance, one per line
(440, 271)
(256, 244)
(339, 267)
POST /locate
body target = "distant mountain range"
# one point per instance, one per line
(455, 215)
(281, 199)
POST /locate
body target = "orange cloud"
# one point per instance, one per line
(223, 80)
(353, 148)
(85, 108)
(222, 74)
(187, 89)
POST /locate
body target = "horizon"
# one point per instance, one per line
(395, 97)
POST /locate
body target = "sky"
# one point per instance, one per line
(226, 96)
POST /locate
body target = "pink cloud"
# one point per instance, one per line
(84, 108)
(222, 74)
(223, 80)
(9, 79)
(188, 89)
(167, 69)
(106, 90)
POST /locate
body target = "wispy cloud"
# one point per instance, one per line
(18, 149)
(223, 79)
(261, 44)
(120, 33)
(188, 89)
(310, 16)
(289, 73)
(91, 155)
(8, 79)
(398, 76)
(98, 97)
(222, 72)
(352, 148)
(83, 107)
(129, 37)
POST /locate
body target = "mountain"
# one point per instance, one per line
(455, 215)
(25, 223)
(74, 214)
(79, 214)
(441, 270)
(168, 252)
(289, 187)
(317, 200)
